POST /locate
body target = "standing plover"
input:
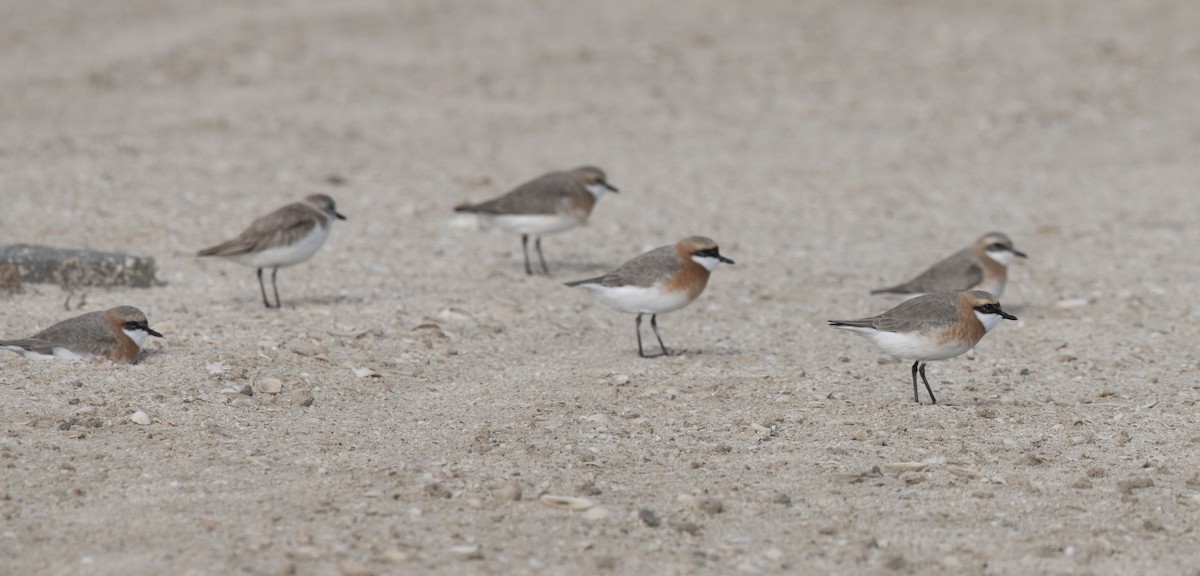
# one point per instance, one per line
(551, 203)
(664, 279)
(934, 326)
(287, 236)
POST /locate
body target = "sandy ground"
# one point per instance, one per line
(830, 147)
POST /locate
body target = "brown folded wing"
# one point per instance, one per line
(279, 228)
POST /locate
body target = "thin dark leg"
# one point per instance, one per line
(275, 287)
(525, 249)
(926, 381)
(654, 325)
(916, 397)
(266, 302)
(538, 244)
(638, 324)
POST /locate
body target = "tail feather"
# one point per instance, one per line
(595, 280)
(850, 323)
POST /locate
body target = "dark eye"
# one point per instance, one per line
(997, 247)
(986, 308)
(132, 325)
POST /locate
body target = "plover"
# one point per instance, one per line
(661, 280)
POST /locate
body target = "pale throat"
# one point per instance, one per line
(138, 336)
(709, 263)
(989, 320)
(597, 190)
(1004, 257)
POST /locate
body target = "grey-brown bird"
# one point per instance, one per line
(116, 334)
(664, 279)
(549, 204)
(933, 326)
(287, 236)
(981, 266)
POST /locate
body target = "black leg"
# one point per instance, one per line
(916, 397)
(638, 325)
(266, 302)
(926, 381)
(275, 287)
(538, 244)
(525, 249)
(654, 325)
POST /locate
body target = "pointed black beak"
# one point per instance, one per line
(724, 259)
(610, 187)
(338, 215)
(151, 331)
(1006, 315)
(1018, 253)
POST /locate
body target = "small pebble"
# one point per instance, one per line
(566, 502)
(686, 527)
(270, 385)
(1128, 486)
(649, 518)
(510, 492)
(395, 556)
(140, 418)
(437, 490)
(301, 398)
(366, 373)
(469, 552)
(711, 505)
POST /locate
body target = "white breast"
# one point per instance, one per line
(298, 252)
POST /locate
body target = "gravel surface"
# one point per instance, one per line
(419, 405)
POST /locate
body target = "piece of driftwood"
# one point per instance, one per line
(72, 268)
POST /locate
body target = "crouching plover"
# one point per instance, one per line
(981, 266)
(287, 236)
(551, 203)
(116, 334)
(664, 279)
(935, 326)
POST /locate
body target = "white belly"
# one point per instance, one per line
(60, 352)
(302, 250)
(913, 346)
(638, 300)
(534, 223)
